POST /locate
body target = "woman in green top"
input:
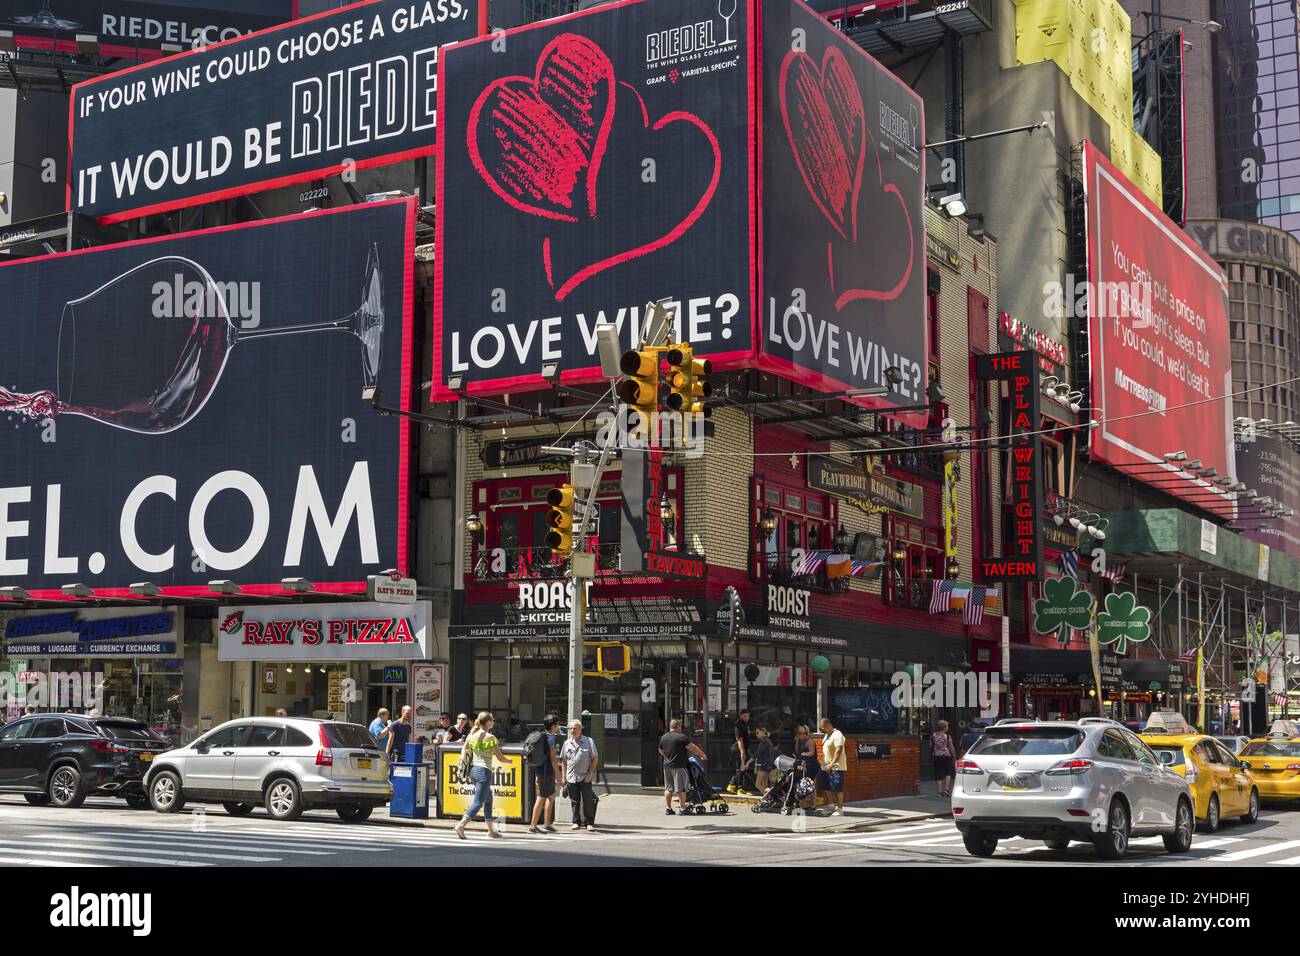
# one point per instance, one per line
(485, 750)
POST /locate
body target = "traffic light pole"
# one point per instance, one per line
(580, 575)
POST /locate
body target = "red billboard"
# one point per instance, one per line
(1158, 338)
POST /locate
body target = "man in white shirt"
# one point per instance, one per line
(579, 758)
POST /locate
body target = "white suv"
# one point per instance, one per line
(287, 764)
(1091, 780)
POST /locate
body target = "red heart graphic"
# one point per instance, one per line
(829, 139)
(538, 143)
(535, 142)
(827, 133)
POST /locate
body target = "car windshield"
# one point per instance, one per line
(1042, 741)
(1272, 748)
(349, 735)
(1171, 756)
(126, 731)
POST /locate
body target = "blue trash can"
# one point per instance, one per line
(414, 753)
(410, 791)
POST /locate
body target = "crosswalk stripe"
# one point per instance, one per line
(201, 843)
(232, 839)
(25, 844)
(910, 833)
(1289, 861)
(15, 861)
(125, 858)
(1256, 851)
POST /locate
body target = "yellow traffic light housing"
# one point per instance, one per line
(606, 659)
(560, 520)
(689, 380)
(640, 389)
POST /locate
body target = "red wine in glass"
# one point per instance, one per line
(129, 358)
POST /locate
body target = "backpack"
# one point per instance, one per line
(536, 751)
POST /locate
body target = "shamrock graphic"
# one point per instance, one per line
(1062, 608)
(1123, 620)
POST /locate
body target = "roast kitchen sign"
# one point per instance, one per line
(868, 490)
(326, 632)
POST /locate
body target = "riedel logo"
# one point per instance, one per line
(77, 910)
(903, 130)
(691, 40)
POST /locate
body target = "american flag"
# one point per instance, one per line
(1279, 698)
(1070, 564)
(1113, 572)
(941, 597)
(809, 562)
(1188, 654)
(868, 568)
(973, 613)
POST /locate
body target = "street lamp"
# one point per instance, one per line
(768, 522)
(841, 540)
(953, 569)
(473, 525)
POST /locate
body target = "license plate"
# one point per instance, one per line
(1018, 789)
(363, 763)
(146, 757)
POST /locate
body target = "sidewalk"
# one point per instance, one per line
(644, 812)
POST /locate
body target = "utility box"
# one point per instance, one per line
(410, 791)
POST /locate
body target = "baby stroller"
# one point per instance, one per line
(702, 796)
(791, 787)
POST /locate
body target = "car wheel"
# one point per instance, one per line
(1059, 843)
(66, 788)
(239, 809)
(165, 793)
(1211, 822)
(1252, 814)
(36, 799)
(979, 845)
(1180, 841)
(137, 800)
(1112, 844)
(354, 814)
(284, 799)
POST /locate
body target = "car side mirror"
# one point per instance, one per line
(201, 747)
(1245, 765)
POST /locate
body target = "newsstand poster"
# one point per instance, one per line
(191, 408)
(589, 165)
(843, 243)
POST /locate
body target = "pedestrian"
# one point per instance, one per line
(740, 749)
(580, 758)
(457, 733)
(281, 712)
(379, 723)
(676, 749)
(973, 731)
(539, 754)
(805, 752)
(444, 725)
(834, 763)
(397, 734)
(764, 757)
(28, 710)
(486, 750)
(945, 762)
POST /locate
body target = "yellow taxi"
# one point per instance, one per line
(1275, 761)
(1220, 787)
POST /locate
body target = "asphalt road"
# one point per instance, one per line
(104, 833)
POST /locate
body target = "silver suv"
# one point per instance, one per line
(1090, 780)
(287, 764)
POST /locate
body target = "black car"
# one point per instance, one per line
(61, 759)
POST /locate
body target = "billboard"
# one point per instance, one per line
(188, 409)
(1271, 466)
(591, 164)
(124, 26)
(1158, 333)
(843, 237)
(343, 90)
(95, 632)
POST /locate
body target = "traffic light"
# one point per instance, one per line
(689, 380)
(640, 389)
(560, 520)
(605, 659)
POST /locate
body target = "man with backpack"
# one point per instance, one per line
(539, 755)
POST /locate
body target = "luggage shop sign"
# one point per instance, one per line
(326, 632)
